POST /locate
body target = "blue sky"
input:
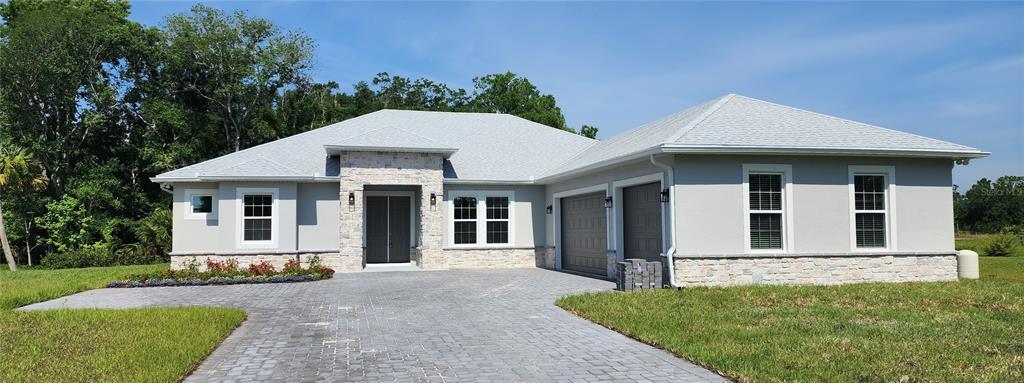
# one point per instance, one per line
(952, 71)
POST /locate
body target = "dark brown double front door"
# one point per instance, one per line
(388, 229)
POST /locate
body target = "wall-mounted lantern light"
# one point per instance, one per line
(550, 209)
(351, 199)
(608, 202)
(433, 199)
(664, 196)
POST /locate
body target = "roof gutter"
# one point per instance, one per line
(822, 151)
(671, 252)
(245, 178)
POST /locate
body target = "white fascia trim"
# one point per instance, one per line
(459, 181)
(889, 172)
(598, 166)
(335, 149)
(275, 218)
(823, 151)
(246, 178)
(788, 237)
(212, 215)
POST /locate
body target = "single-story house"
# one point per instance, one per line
(733, 191)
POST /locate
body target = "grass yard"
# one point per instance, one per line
(1009, 269)
(980, 242)
(137, 345)
(971, 331)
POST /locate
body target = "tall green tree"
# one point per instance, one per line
(19, 173)
(60, 66)
(991, 206)
(511, 94)
(230, 69)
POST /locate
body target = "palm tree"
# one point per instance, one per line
(17, 170)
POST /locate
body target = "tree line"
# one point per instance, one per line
(93, 104)
(991, 207)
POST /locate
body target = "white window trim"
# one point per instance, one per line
(889, 172)
(240, 194)
(190, 215)
(788, 240)
(481, 217)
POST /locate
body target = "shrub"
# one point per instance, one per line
(90, 256)
(262, 268)
(292, 266)
(222, 267)
(154, 232)
(1002, 245)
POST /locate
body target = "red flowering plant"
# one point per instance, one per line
(227, 267)
(228, 273)
(292, 267)
(262, 268)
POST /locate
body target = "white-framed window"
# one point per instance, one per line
(871, 223)
(202, 204)
(767, 205)
(257, 217)
(480, 218)
(497, 219)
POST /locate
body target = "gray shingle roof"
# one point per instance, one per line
(497, 147)
(738, 123)
(500, 147)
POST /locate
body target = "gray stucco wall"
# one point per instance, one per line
(317, 216)
(709, 203)
(529, 212)
(221, 235)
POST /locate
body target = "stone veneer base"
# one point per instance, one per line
(817, 270)
(452, 258)
(332, 260)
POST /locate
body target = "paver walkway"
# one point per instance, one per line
(436, 326)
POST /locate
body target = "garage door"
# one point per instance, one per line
(641, 222)
(584, 234)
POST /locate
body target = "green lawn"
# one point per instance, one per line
(980, 242)
(965, 331)
(138, 345)
(1001, 268)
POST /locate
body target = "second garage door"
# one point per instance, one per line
(584, 234)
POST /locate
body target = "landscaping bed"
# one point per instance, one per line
(228, 273)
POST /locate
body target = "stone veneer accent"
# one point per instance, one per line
(391, 168)
(331, 260)
(818, 270)
(492, 258)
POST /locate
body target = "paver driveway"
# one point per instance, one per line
(443, 326)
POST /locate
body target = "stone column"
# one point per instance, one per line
(350, 220)
(432, 255)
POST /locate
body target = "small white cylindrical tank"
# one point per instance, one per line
(967, 264)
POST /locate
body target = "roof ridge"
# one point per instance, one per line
(851, 121)
(392, 127)
(700, 119)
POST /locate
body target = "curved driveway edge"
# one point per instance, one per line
(443, 326)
